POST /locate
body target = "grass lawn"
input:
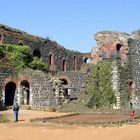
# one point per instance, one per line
(3, 119)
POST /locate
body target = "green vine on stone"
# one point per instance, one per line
(100, 86)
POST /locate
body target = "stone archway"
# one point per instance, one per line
(24, 93)
(10, 89)
(66, 86)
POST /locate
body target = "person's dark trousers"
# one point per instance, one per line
(15, 116)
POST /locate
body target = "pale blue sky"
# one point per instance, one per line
(72, 23)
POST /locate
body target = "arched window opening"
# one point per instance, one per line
(25, 92)
(74, 64)
(20, 44)
(50, 59)
(65, 88)
(87, 60)
(118, 50)
(10, 89)
(130, 83)
(132, 87)
(64, 65)
(52, 62)
(1, 38)
(37, 53)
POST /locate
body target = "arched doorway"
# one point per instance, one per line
(64, 65)
(37, 53)
(65, 88)
(25, 92)
(10, 89)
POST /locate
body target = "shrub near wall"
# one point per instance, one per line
(99, 86)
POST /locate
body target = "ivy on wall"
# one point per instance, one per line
(99, 86)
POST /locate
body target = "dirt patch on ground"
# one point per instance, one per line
(90, 119)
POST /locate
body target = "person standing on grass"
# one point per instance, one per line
(16, 110)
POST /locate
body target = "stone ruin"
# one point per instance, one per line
(124, 49)
(66, 81)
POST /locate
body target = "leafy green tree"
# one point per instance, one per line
(21, 57)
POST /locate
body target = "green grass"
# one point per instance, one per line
(3, 119)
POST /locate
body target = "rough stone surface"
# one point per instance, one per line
(116, 84)
(107, 46)
(45, 89)
(78, 82)
(135, 66)
(44, 46)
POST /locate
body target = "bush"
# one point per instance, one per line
(38, 64)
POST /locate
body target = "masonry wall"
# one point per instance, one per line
(45, 46)
(42, 93)
(77, 82)
(42, 86)
(4, 76)
(135, 61)
(122, 75)
(135, 66)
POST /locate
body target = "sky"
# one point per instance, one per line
(71, 23)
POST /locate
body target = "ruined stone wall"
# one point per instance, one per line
(42, 90)
(77, 82)
(4, 74)
(45, 89)
(116, 84)
(135, 66)
(121, 76)
(45, 46)
(110, 45)
(135, 61)
(60, 54)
